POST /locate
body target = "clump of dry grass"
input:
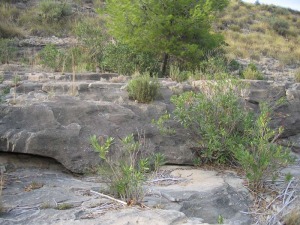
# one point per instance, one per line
(293, 218)
(118, 79)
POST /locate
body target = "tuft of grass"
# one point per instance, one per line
(64, 206)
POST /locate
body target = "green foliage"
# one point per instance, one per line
(8, 16)
(50, 56)
(252, 73)
(162, 124)
(280, 26)
(262, 157)
(220, 219)
(143, 88)
(102, 149)
(226, 133)
(93, 37)
(180, 29)
(127, 174)
(215, 118)
(216, 68)
(123, 59)
(52, 11)
(177, 75)
(7, 50)
(158, 161)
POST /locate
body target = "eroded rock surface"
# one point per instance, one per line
(48, 115)
(40, 191)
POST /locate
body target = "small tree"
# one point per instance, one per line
(178, 29)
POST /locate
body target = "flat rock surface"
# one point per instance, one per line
(41, 191)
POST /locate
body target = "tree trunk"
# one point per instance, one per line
(164, 65)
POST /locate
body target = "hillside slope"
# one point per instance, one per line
(256, 31)
(267, 35)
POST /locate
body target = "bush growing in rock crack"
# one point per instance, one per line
(143, 88)
(126, 174)
(226, 133)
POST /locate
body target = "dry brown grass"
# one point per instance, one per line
(249, 32)
(293, 218)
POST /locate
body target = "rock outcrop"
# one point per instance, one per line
(42, 117)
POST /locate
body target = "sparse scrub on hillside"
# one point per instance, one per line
(51, 11)
(8, 17)
(50, 56)
(121, 58)
(7, 50)
(280, 26)
(268, 31)
(252, 73)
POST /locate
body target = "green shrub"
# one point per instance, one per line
(53, 11)
(9, 30)
(252, 73)
(262, 158)
(226, 133)
(177, 75)
(215, 118)
(7, 50)
(124, 60)
(215, 68)
(143, 88)
(127, 174)
(280, 26)
(50, 56)
(297, 76)
(93, 37)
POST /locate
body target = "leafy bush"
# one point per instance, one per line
(7, 50)
(127, 174)
(124, 60)
(143, 88)
(215, 118)
(261, 158)
(252, 73)
(51, 57)
(53, 11)
(226, 133)
(280, 26)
